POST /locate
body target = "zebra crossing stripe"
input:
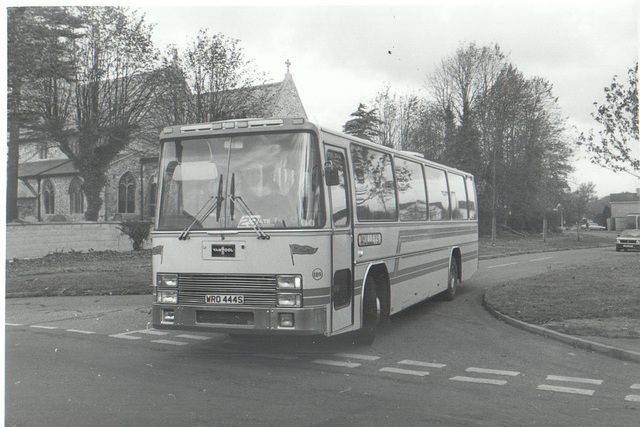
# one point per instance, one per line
(574, 380)
(492, 372)
(336, 363)
(479, 380)
(569, 390)
(422, 364)
(405, 371)
(356, 356)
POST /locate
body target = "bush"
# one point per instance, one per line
(138, 232)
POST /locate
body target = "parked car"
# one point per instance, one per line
(628, 239)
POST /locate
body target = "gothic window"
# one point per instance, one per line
(43, 151)
(127, 194)
(48, 197)
(76, 196)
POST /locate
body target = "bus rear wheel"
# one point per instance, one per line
(452, 281)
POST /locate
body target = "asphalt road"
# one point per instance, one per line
(92, 362)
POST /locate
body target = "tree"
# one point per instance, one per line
(221, 80)
(96, 116)
(37, 45)
(364, 123)
(616, 145)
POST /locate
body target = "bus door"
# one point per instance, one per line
(341, 239)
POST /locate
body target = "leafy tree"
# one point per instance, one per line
(96, 117)
(37, 46)
(364, 124)
(616, 145)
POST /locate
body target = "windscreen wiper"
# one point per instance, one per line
(199, 217)
(255, 224)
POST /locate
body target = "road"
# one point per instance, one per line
(92, 362)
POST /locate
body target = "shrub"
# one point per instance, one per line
(138, 232)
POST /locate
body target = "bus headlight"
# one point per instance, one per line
(289, 282)
(289, 300)
(167, 297)
(164, 279)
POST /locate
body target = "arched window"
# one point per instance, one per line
(48, 197)
(76, 196)
(127, 194)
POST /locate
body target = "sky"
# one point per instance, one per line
(343, 53)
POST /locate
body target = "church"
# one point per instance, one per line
(50, 189)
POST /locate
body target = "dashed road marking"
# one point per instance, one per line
(336, 363)
(570, 390)
(12, 324)
(478, 380)
(632, 398)
(78, 331)
(405, 371)
(148, 332)
(357, 356)
(502, 265)
(540, 259)
(125, 336)
(422, 364)
(169, 342)
(493, 372)
(193, 337)
(44, 327)
(574, 379)
(635, 386)
(279, 356)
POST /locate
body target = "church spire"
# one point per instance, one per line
(288, 64)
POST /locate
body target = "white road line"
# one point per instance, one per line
(633, 398)
(356, 356)
(193, 337)
(573, 379)
(169, 342)
(148, 332)
(77, 331)
(423, 364)
(278, 356)
(502, 265)
(405, 371)
(635, 386)
(44, 327)
(569, 390)
(493, 372)
(478, 380)
(125, 336)
(12, 324)
(336, 363)
(540, 259)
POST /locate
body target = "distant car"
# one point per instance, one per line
(592, 226)
(628, 239)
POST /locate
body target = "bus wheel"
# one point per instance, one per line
(370, 314)
(452, 281)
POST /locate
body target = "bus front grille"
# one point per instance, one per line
(257, 290)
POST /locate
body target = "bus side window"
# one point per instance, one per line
(375, 187)
(471, 196)
(438, 194)
(412, 200)
(339, 195)
(458, 194)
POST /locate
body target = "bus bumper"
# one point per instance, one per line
(287, 321)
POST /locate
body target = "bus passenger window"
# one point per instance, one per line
(375, 187)
(412, 200)
(458, 194)
(438, 194)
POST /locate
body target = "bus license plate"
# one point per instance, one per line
(224, 299)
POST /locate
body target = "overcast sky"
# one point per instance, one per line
(343, 55)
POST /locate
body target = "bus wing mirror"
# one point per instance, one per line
(331, 174)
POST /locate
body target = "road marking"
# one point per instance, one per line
(423, 364)
(405, 371)
(573, 379)
(77, 331)
(125, 336)
(633, 398)
(278, 356)
(44, 327)
(193, 337)
(478, 380)
(336, 363)
(502, 265)
(169, 342)
(540, 259)
(12, 324)
(356, 356)
(148, 332)
(635, 386)
(493, 372)
(570, 390)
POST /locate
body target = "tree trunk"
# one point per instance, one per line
(93, 186)
(13, 158)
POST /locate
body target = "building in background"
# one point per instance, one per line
(625, 211)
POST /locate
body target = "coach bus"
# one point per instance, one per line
(280, 226)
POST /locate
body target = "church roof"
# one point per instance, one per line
(46, 168)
